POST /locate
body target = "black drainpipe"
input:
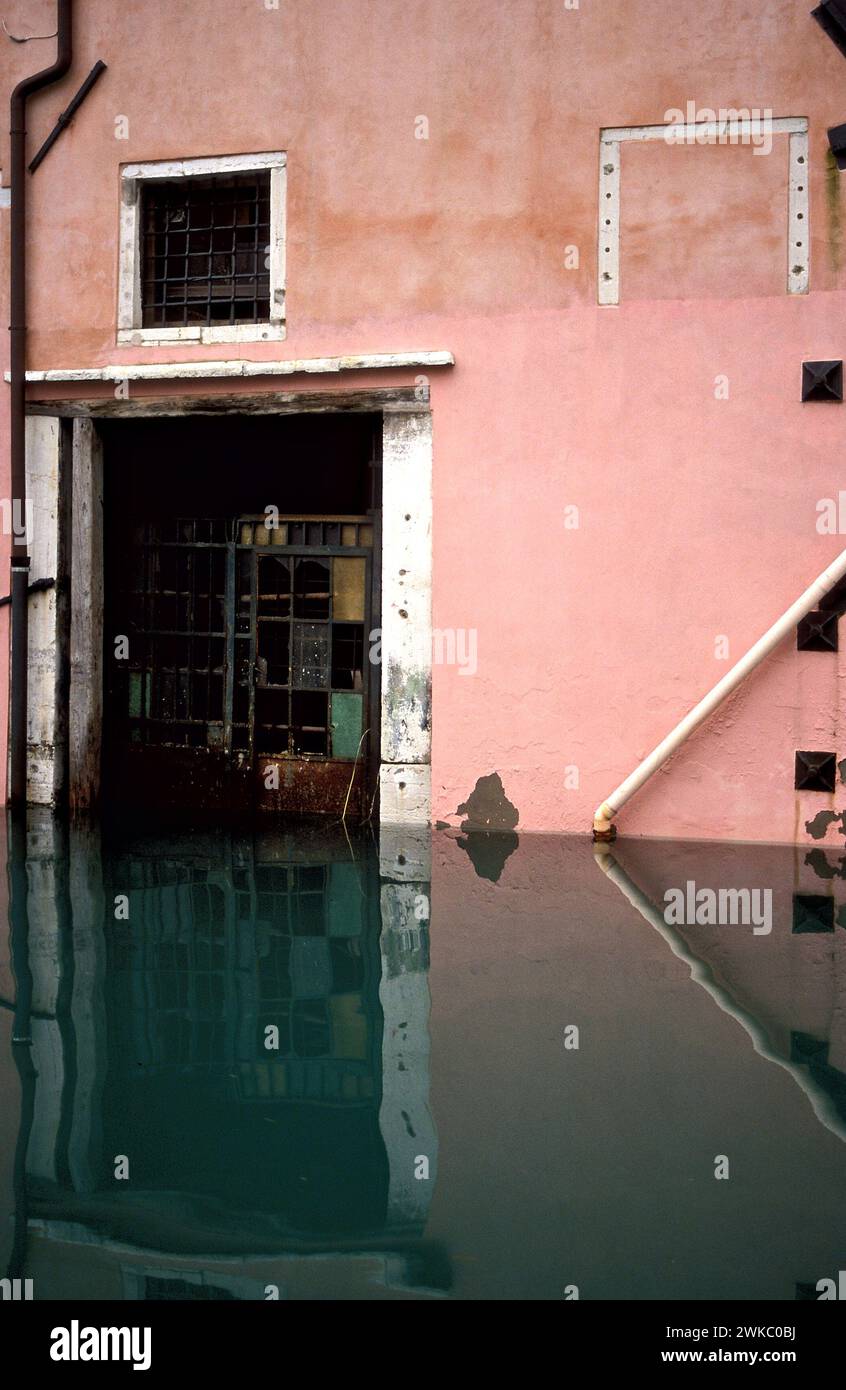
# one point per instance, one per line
(19, 578)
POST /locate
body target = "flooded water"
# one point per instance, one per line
(262, 1064)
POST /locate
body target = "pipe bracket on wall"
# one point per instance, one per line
(68, 114)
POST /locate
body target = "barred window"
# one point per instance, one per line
(206, 251)
(202, 250)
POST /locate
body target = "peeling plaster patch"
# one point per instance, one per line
(409, 697)
(487, 807)
(489, 851)
(818, 827)
(817, 860)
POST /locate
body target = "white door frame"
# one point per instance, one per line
(405, 642)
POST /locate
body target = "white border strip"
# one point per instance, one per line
(198, 168)
(608, 225)
(608, 240)
(798, 215)
(176, 371)
(781, 125)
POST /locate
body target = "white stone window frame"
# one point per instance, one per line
(611, 140)
(130, 329)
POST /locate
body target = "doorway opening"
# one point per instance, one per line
(241, 588)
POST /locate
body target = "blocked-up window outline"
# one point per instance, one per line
(729, 131)
(130, 309)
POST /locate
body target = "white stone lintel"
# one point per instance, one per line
(201, 370)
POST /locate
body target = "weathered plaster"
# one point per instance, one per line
(697, 510)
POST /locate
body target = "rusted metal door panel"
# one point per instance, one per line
(309, 787)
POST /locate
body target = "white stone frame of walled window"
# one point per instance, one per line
(130, 329)
(727, 131)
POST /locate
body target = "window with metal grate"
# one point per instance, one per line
(205, 256)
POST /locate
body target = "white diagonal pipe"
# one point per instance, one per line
(606, 812)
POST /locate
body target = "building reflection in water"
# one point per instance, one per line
(230, 1039)
(311, 1168)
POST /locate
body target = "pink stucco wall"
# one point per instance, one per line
(697, 516)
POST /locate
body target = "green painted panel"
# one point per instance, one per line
(346, 723)
(135, 680)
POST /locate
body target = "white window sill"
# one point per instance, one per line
(231, 333)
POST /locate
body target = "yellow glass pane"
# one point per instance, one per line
(280, 534)
(348, 589)
(262, 534)
(365, 535)
(347, 535)
(246, 533)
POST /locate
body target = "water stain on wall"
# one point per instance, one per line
(832, 200)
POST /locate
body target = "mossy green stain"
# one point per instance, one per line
(832, 196)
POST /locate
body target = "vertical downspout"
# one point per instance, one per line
(19, 579)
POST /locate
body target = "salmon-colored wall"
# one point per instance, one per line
(697, 515)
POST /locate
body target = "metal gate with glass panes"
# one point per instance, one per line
(248, 682)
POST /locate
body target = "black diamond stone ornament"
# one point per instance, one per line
(822, 381)
(817, 632)
(812, 913)
(815, 772)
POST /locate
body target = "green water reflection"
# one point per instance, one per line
(238, 1073)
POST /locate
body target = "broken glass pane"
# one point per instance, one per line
(310, 657)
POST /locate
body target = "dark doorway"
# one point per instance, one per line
(241, 589)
